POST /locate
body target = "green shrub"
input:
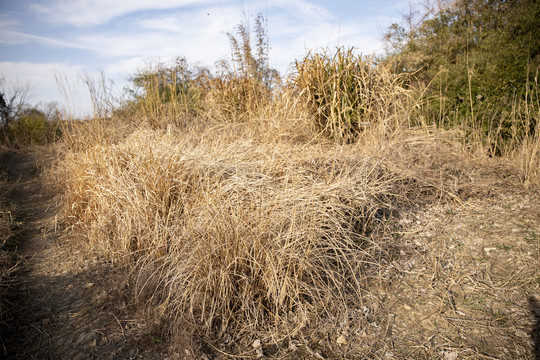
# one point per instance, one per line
(477, 62)
(33, 128)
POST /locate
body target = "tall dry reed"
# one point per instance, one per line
(348, 93)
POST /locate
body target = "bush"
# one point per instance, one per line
(348, 93)
(33, 128)
(477, 61)
(165, 92)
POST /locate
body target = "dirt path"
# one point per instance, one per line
(34, 305)
(59, 308)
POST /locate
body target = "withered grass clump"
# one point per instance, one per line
(238, 237)
(347, 93)
(234, 99)
(236, 232)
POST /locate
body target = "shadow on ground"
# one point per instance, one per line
(535, 334)
(58, 308)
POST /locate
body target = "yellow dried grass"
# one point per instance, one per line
(237, 236)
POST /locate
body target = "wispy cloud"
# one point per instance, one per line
(303, 9)
(7, 22)
(11, 37)
(150, 44)
(82, 13)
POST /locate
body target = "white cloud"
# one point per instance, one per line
(7, 22)
(302, 9)
(168, 23)
(45, 79)
(193, 34)
(122, 69)
(10, 37)
(39, 76)
(199, 47)
(87, 13)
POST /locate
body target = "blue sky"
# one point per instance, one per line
(41, 38)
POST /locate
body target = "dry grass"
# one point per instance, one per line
(243, 223)
(7, 267)
(347, 93)
(527, 150)
(529, 160)
(235, 236)
(234, 99)
(252, 234)
(5, 215)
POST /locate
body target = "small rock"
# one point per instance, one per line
(341, 340)
(451, 355)
(89, 285)
(86, 338)
(258, 349)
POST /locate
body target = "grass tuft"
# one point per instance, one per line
(235, 237)
(348, 93)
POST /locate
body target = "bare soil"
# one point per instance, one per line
(469, 283)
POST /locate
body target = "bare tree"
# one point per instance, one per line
(12, 102)
(51, 110)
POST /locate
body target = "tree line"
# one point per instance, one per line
(477, 58)
(22, 123)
